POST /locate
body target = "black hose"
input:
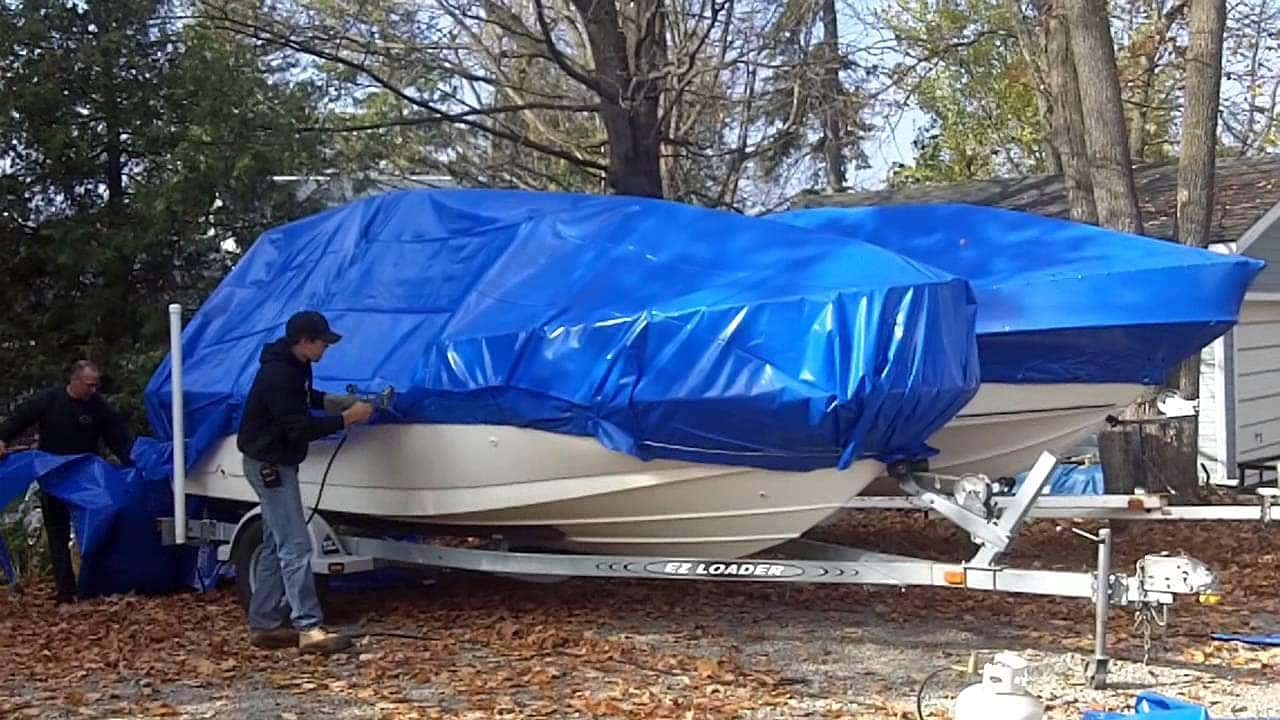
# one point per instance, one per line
(392, 634)
(325, 477)
(925, 683)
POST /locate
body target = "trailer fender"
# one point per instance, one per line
(324, 541)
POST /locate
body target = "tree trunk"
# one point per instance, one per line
(114, 170)
(1052, 156)
(629, 90)
(1095, 61)
(1199, 143)
(1200, 122)
(833, 125)
(113, 149)
(1068, 120)
(1142, 108)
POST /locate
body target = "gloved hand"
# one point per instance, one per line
(358, 413)
(337, 404)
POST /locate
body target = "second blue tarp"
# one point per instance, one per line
(1069, 479)
(1059, 301)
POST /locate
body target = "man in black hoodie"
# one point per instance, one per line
(71, 419)
(275, 431)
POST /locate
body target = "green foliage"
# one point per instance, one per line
(133, 154)
(971, 80)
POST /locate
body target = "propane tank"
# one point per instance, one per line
(1002, 694)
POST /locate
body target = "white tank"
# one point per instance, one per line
(1002, 694)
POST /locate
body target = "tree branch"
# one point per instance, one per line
(572, 70)
(263, 34)
(451, 117)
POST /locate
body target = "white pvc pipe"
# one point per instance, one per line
(179, 437)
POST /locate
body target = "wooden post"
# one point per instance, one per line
(1156, 455)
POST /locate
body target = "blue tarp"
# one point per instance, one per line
(1060, 301)
(661, 329)
(113, 512)
(1272, 640)
(1154, 706)
(1071, 479)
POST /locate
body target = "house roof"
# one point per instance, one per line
(1245, 189)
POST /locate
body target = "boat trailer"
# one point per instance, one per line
(1151, 588)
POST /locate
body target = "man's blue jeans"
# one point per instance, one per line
(283, 579)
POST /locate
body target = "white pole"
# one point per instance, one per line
(179, 438)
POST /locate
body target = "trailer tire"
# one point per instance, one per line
(244, 557)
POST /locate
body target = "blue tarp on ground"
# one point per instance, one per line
(1060, 301)
(663, 330)
(1154, 706)
(1272, 640)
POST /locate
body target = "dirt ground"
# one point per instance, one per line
(487, 647)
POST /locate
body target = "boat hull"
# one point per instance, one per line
(1002, 431)
(508, 479)
(511, 479)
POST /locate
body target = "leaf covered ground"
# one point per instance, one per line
(485, 647)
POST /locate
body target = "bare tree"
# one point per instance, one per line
(629, 81)
(1093, 51)
(646, 97)
(1251, 67)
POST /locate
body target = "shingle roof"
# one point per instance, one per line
(1245, 189)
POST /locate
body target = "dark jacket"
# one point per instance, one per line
(68, 426)
(278, 425)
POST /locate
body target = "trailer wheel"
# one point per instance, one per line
(244, 556)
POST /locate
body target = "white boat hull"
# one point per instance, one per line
(1005, 427)
(595, 500)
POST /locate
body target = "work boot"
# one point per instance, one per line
(274, 639)
(318, 640)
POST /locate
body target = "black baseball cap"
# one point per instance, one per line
(310, 325)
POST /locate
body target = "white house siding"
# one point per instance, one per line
(1213, 443)
(1256, 411)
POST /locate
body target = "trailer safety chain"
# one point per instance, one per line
(1149, 615)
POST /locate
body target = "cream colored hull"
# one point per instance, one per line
(1005, 427)
(597, 500)
(606, 502)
